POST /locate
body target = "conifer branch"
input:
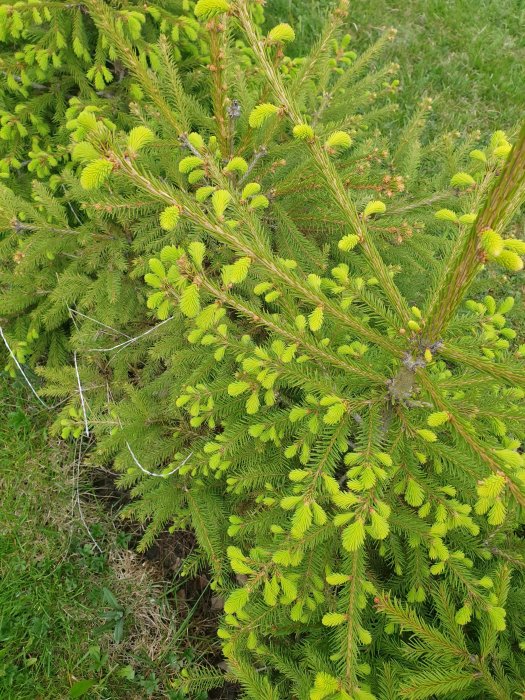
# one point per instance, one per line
(255, 249)
(498, 691)
(260, 318)
(365, 58)
(434, 682)
(356, 573)
(21, 370)
(465, 433)
(323, 385)
(104, 19)
(204, 529)
(218, 33)
(325, 167)
(468, 255)
(325, 446)
(512, 375)
(408, 619)
(336, 19)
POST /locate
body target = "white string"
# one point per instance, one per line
(132, 340)
(76, 487)
(79, 220)
(104, 325)
(82, 402)
(20, 369)
(146, 471)
(134, 456)
(78, 446)
(83, 405)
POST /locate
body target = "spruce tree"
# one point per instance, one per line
(272, 306)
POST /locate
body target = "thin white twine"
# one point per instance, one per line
(82, 402)
(24, 375)
(76, 492)
(146, 471)
(132, 340)
(104, 325)
(133, 455)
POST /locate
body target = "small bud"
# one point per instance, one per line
(503, 150)
(463, 615)
(446, 215)
(333, 619)
(462, 180)
(510, 261)
(260, 201)
(303, 132)
(281, 33)
(478, 155)
(196, 141)
(203, 193)
(189, 163)
(486, 582)
(236, 165)
(207, 9)
(251, 189)
(374, 207)
(338, 140)
(169, 218)
(260, 114)
(492, 243)
(348, 242)
(515, 245)
(427, 435)
(436, 419)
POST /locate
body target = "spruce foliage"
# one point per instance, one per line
(269, 303)
(52, 51)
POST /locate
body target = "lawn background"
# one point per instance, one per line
(469, 55)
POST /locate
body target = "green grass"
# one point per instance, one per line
(466, 54)
(71, 616)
